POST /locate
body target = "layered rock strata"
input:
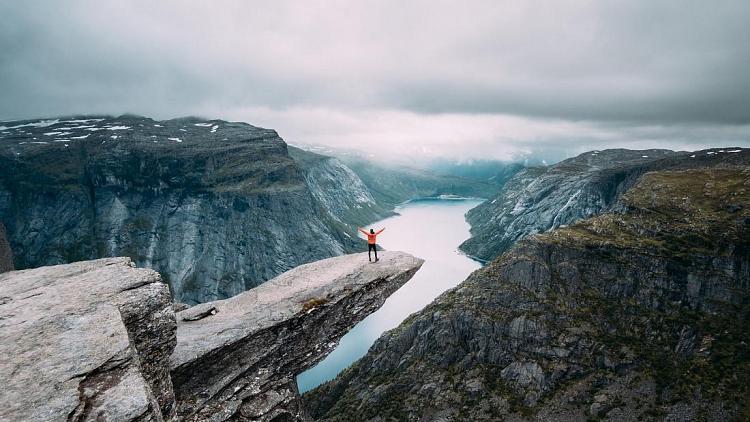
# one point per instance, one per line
(239, 357)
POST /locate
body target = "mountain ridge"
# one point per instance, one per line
(216, 207)
(637, 313)
(538, 199)
(187, 197)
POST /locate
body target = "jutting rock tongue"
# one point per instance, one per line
(242, 357)
(100, 340)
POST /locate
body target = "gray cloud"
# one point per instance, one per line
(658, 72)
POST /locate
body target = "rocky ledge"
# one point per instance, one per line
(100, 340)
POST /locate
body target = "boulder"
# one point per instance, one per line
(85, 341)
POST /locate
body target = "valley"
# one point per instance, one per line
(628, 314)
(430, 229)
(616, 282)
(216, 207)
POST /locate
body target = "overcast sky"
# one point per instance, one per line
(493, 79)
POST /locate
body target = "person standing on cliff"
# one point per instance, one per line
(372, 242)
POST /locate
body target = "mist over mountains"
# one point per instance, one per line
(565, 185)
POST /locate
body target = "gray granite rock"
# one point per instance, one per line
(539, 199)
(85, 341)
(216, 207)
(636, 314)
(239, 357)
(339, 190)
(98, 340)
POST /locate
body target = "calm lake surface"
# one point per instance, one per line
(430, 229)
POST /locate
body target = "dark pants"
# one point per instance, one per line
(372, 248)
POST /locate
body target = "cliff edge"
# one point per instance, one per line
(85, 340)
(215, 207)
(100, 340)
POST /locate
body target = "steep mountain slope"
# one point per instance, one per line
(638, 314)
(538, 199)
(338, 189)
(215, 207)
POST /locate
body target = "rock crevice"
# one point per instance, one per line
(6, 255)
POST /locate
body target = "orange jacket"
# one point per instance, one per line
(371, 237)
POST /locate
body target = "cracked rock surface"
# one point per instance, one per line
(99, 340)
(84, 341)
(241, 357)
(6, 255)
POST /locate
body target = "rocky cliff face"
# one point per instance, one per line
(539, 199)
(339, 189)
(215, 207)
(6, 255)
(638, 314)
(99, 340)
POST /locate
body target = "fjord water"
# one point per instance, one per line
(430, 229)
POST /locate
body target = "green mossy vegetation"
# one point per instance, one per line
(672, 213)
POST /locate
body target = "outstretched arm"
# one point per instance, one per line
(362, 230)
(380, 231)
